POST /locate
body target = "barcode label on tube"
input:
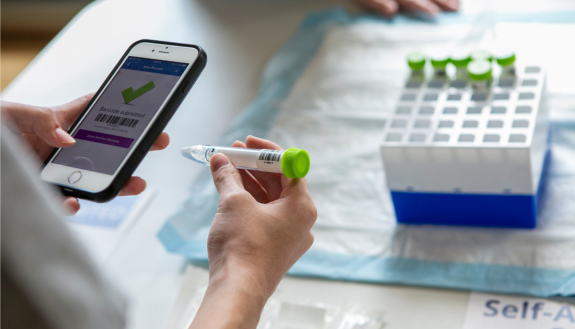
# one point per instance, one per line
(270, 156)
(114, 120)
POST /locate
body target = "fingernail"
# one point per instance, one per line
(63, 137)
(217, 161)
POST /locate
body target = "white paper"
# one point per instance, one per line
(102, 227)
(510, 312)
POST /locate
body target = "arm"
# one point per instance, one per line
(261, 229)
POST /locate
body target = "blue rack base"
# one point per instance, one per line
(460, 209)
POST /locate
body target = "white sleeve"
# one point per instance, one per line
(39, 253)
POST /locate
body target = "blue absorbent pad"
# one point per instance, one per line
(329, 91)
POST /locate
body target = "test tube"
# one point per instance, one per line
(460, 59)
(479, 73)
(506, 59)
(481, 55)
(439, 63)
(293, 163)
(416, 61)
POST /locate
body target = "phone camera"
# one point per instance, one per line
(166, 47)
(153, 50)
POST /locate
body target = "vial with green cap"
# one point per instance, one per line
(479, 73)
(439, 63)
(460, 59)
(416, 61)
(481, 55)
(506, 59)
(293, 163)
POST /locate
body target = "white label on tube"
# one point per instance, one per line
(270, 160)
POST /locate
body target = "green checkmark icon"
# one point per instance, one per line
(130, 94)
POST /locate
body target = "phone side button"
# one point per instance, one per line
(185, 86)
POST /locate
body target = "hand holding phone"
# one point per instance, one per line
(124, 119)
(44, 128)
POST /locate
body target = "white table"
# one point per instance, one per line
(239, 37)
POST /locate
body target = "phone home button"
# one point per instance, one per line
(74, 177)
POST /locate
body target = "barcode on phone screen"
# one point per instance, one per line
(270, 156)
(114, 120)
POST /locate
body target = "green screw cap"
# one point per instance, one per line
(460, 59)
(481, 55)
(295, 163)
(479, 70)
(416, 60)
(505, 58)
(439, 61)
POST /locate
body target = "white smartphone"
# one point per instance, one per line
(123, 120)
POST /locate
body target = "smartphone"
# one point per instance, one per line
(121, 123)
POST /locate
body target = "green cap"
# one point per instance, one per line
(505, 58)
(416, 60)
(479, 70)
(460, 59)
(439, 61)
(480, 55)
(295, 163)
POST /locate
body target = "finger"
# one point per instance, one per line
(254, 187)
(69, 112)
(251, 184)
(238, 144)
(271, 182)
(40, 121)
(135, 186)
(425, 6)
(161, 143)
(447, 5)
(383, 7)
(227, 178)
(71, 205)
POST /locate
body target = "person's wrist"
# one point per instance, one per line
(234, 299)
(251, 276)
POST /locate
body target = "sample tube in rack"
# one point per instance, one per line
(506, 59)
(480, 73)
(416, 61)
(293, 163)
(460, 59)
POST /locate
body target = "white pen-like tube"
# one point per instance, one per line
(242, 158)
(293, 163)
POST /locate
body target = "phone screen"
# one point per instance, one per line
(122, 113)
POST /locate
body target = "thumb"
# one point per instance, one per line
(69, 112)
(226, 177)
(40, 121)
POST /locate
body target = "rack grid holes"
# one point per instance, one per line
(498, 110)
(474, 110)
(523, 109)
(470, 124)
(393, 137)
(426, 110)
(406, 110)
(466, 138)
(495, 124)
(520, 124)
(417, 138)
(441, 138)
(491, 138)
(422, 123)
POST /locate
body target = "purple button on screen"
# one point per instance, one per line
(101, 138)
